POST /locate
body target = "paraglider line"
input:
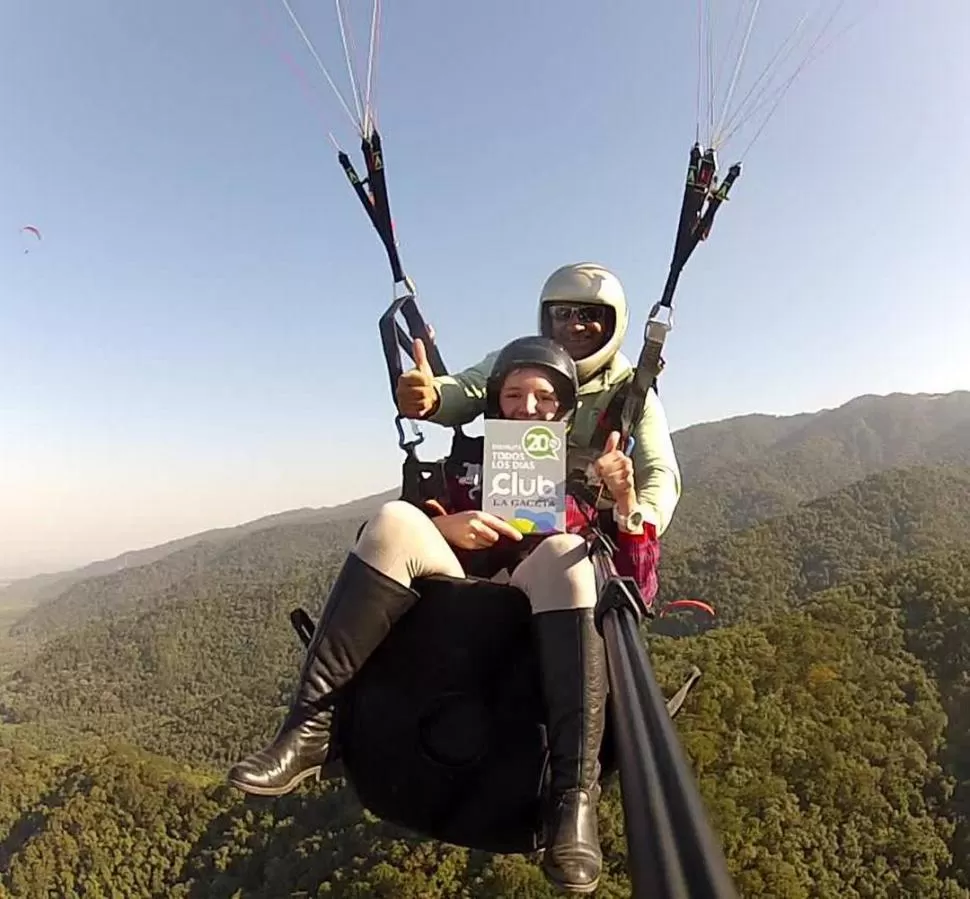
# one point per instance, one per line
(321, 66)
(739, 64)
(355, 90)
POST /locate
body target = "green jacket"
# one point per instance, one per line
(656, 472)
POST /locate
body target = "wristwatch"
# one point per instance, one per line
(631, 522)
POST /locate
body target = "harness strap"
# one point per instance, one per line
(418, 478)
(611, 418)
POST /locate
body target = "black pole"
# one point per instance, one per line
(671, 847)
(650, 849)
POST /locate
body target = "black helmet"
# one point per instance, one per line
(533, 352)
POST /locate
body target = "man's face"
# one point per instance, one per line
(579, 328)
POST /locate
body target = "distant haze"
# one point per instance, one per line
(112, 512)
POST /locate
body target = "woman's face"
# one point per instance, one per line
(529, 394)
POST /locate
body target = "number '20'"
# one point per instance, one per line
(537, 443)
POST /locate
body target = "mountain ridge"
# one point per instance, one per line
(737, 472)
(691, 442)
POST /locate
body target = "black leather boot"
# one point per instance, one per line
(362, 607)
(572, 658)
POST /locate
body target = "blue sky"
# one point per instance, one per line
(194, 342)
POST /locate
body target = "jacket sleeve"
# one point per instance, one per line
(655, 467)
(637, 556)
(463, 394)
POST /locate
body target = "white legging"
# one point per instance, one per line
(401, 542)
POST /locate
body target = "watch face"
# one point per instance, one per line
(633, 520)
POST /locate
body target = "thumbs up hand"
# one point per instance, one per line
(615, 469)
(421, 363)
(416, 394)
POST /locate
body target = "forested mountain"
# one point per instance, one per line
(745, 470)
(830, 731)
(830, 746)
(199, 666)
(264, 557)
(751, 574)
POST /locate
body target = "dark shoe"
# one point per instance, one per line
(362, 607)
(572, 661)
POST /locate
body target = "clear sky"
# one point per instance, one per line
(194, 341)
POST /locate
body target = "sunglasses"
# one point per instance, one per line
(585, 315)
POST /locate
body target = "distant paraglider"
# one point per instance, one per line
(30, 229)
(680, 605)
(683, 618)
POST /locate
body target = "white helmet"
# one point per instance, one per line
(588, 283)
